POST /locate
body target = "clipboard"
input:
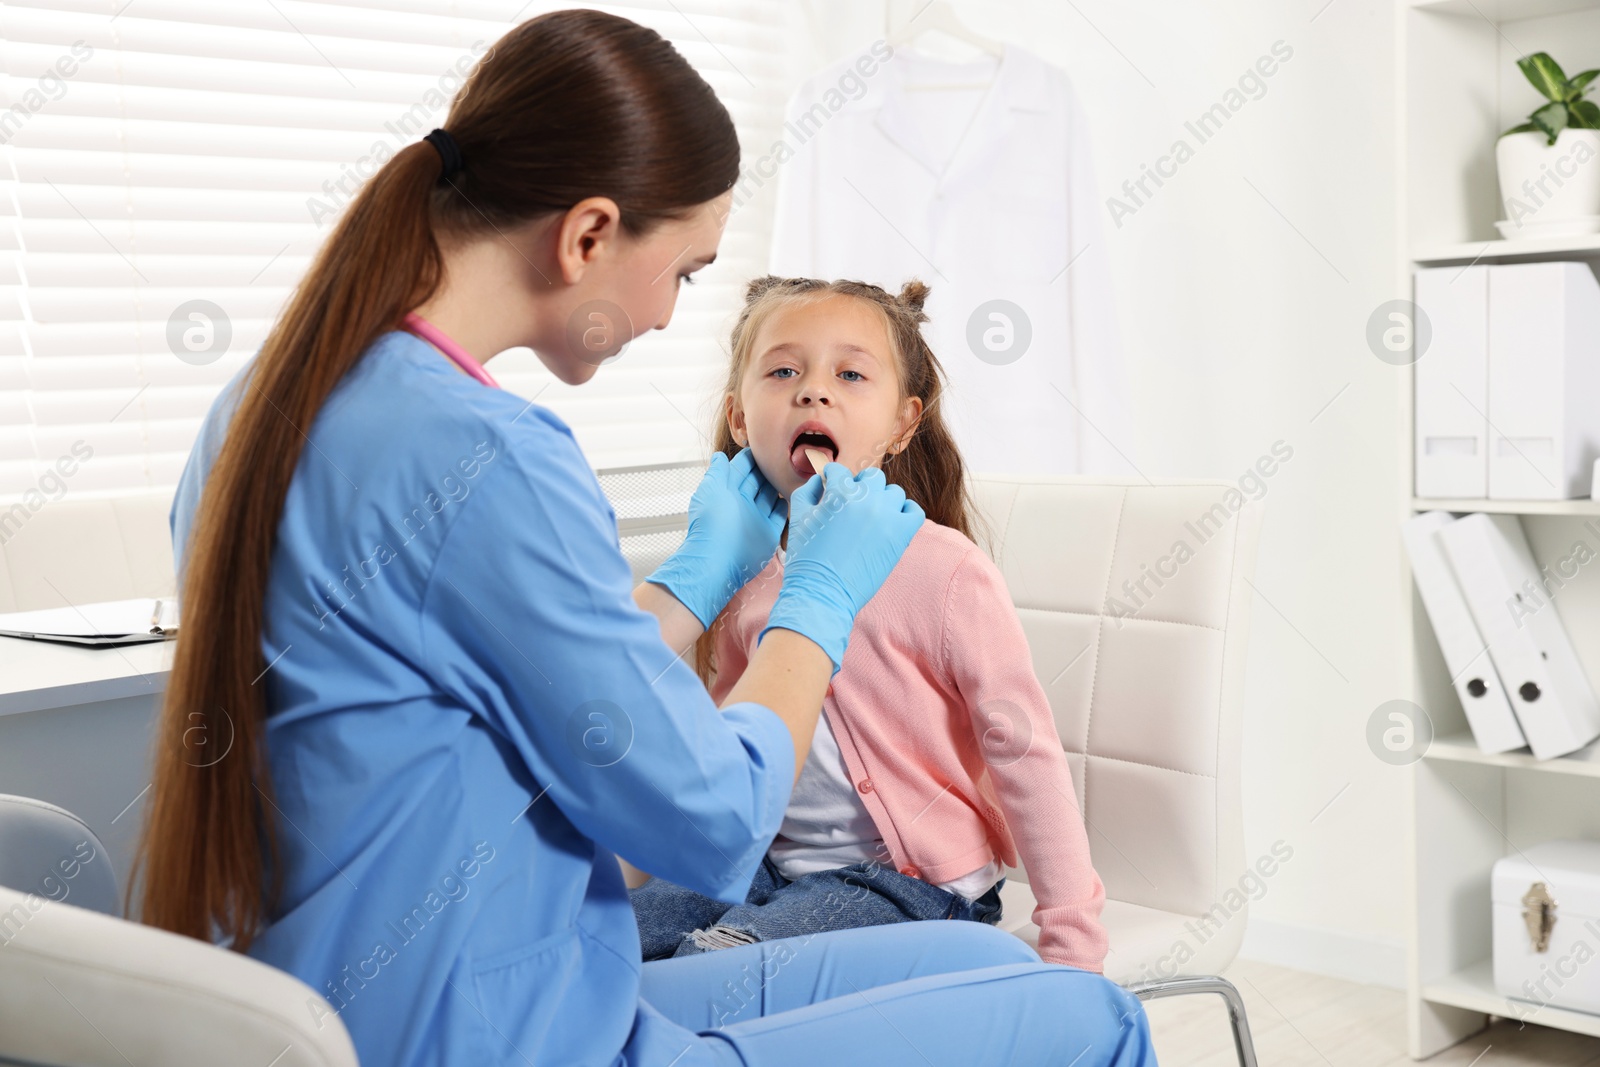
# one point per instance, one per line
(100, 625)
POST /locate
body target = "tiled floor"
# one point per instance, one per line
(1305, 1019)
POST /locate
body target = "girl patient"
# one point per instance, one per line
(936, 759)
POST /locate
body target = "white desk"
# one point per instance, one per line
(75, 730)
(35, 675)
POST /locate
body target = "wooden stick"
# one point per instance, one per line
(818, 458)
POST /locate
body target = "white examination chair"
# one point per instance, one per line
(79, 988)
(1148, 705)
(50, 851)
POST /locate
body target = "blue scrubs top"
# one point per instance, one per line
(468, 718)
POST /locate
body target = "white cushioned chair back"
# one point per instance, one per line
(88, 990)
(76, 550)
(1136, 606)
(50, 851)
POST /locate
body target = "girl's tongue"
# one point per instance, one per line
(805, 443)
(801, 462)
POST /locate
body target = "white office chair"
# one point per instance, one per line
(1142, 658)
(50, 851)
(1148, 705)
(79, 988)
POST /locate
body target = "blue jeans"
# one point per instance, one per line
(674, 921)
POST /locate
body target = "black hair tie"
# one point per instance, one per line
(448, 151)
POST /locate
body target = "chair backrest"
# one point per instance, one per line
(50, 851)
(80, 549)
(88, 990)
(652, 506)
(1136, 602)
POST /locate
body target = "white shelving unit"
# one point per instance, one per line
(1509, 507)
(1459, 87)
(1586, 247)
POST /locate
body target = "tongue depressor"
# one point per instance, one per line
(818, 458)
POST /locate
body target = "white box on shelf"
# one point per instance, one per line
(1546, 904)
(1544, 376)
(1452, 383)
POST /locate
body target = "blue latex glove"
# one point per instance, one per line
(846, 533)
(735, 519)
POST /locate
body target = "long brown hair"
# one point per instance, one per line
(565, 106)
(929, 468)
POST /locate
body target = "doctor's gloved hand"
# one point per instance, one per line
(735, 519)
(846, 533)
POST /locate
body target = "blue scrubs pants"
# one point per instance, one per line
(932, 993)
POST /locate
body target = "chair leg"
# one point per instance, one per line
(1177, 987)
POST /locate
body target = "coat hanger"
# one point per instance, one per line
(938, 17)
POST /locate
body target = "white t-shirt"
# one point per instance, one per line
(826, 826)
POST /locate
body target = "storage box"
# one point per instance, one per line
(1547, 925)
(1544, 426)
(1505, 387)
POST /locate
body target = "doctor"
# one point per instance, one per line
(416, 711)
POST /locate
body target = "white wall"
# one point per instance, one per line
(1244, 285)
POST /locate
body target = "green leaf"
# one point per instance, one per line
(1545, 74)
(1526, 127)
(1580, 82)
(1583, 115)
(1551, 120)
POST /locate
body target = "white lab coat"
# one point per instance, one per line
(888, 187)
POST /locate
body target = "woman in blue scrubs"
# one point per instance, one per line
(417, 709)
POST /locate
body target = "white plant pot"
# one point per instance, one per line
(1549, 190)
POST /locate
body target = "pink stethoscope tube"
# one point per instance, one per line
(439, 339)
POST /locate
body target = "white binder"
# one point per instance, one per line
(1495, 570)
(1544, 376)
(1466, 657)
(1452, 383)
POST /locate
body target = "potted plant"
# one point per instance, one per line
(1549, 166)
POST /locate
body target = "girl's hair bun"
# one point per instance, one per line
(914, 294)
(760, 285)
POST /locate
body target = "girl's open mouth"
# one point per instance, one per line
(807, 438)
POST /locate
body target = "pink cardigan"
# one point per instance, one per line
(937, 672)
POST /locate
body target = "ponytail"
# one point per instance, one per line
(202, 850)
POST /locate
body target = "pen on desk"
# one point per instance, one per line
(155, 618)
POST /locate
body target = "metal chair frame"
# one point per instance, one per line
(1243, 1045)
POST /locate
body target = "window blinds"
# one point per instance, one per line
(168, 167)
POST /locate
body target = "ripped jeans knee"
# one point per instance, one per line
(714, 937)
